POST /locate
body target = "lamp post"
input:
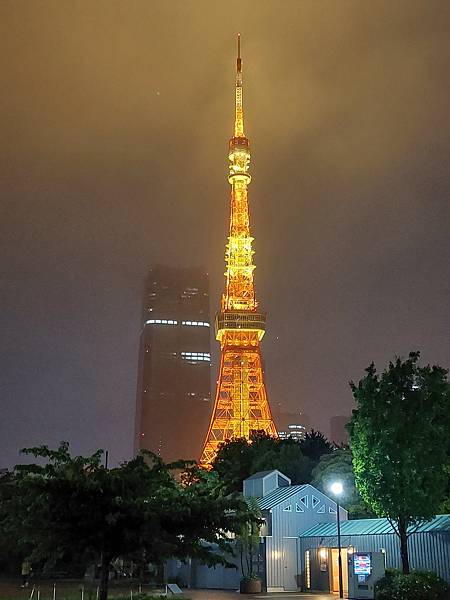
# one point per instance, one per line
(337, 488)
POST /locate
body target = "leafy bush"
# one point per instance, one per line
(415, 586)
(251, 577)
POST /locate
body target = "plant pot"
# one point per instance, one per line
(250, 586)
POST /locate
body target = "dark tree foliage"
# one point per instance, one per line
(240, 458)
(74, 506)
(234, 463)
(399, 435)
(445, 506)
(315, 445)
(337, 466)
(11, 554)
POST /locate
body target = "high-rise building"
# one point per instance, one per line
(338, 431)
(291, 424)
(241, 404)
(173, 395)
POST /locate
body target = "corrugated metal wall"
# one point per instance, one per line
(427, 551)
(288, 524)
(199, 576)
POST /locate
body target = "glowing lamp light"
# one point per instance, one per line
(337, 488)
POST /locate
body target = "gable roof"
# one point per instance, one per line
(373, 527)
(262, 474)
(278, 495)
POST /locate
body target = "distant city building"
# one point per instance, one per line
(338, 432)
(291, 425)
(294, 431)
(173, 392)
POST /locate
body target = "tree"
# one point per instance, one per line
(11, 554)
(248, 541)
(399, 436)
(74, 506)
(315, 445)
(338, 466)
(239, 458)
(234, 463)
(445, 506)
(287, 457)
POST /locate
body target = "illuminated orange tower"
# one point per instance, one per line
(241, 404)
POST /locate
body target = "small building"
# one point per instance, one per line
(299, 550)
(287, 510)
(428, 548)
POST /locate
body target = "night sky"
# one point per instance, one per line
(115, 118)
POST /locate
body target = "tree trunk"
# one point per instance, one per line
(104, 576)
(242, 561)
(402, 532)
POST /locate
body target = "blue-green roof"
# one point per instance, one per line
(373, 527)
(278, 495)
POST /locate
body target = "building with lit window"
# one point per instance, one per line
(173, 392)
(291, 424)
(299, 548)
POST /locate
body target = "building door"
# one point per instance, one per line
(334, 574)
(290, 564)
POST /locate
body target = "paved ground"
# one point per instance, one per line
(71, 590)
(230, 595)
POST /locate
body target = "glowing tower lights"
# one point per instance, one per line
(241, 404)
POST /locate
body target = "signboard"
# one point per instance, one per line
(362, 564)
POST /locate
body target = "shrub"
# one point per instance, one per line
(415, 586)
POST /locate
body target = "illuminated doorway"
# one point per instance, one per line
(334, 571)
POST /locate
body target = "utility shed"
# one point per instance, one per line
(287, 510)
(428, 545)
(298, 542)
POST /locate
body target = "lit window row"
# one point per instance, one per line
(173, 322)
(206, 356)
(161, 322)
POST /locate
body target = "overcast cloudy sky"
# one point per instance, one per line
(115, 117)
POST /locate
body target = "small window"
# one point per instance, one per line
(332, 510)
(282, 482)
(315, 501)
(321, 510)
(298, 508)
(287, 508)
(304, 500)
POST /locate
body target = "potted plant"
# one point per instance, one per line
(248, 543)
(251, 584)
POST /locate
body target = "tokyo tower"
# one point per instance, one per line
(241, 404)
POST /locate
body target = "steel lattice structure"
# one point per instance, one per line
(241, 404)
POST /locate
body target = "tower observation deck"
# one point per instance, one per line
(241, 406)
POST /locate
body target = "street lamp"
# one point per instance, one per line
(336, 489)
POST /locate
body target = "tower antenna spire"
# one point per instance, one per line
(239, 120)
